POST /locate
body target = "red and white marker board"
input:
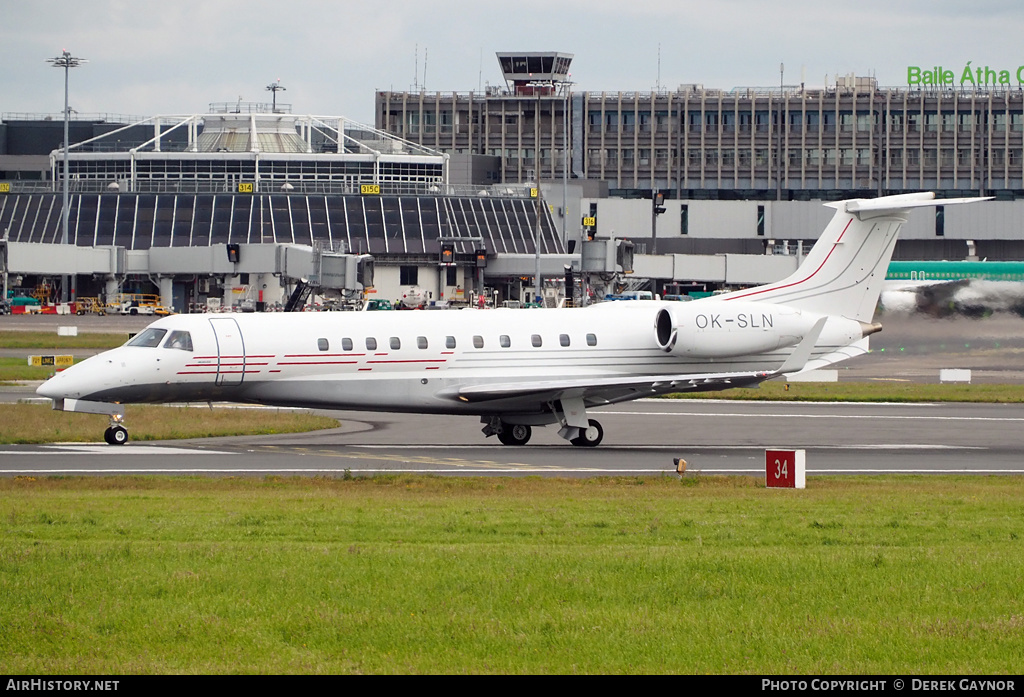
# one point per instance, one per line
(784, 469)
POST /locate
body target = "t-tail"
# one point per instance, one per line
(844, 272)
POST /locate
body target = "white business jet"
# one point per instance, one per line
(515, 369)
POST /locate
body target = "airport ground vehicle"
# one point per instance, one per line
(89, 306)
(137, 304)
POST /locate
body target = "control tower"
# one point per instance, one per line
(529, 73)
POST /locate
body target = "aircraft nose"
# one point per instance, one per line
(67, 384)
(80, 380)
(50, 389)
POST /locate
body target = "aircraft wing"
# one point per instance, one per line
(618, 389)
(608, 390)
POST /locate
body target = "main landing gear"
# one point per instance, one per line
(589, 437)
(508, 434)
(514, 434)
(519, 434)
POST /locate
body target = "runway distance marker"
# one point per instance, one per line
(785, 469)
(57, 361)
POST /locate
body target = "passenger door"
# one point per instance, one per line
(230, 351)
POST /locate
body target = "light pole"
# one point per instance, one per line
(536, 85)
(567, 86)
(275, 87)
(782, 126)
(7, 233)
(66, 61)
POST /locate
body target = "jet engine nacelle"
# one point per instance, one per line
(724, 329)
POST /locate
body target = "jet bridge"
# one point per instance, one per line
(318, 266)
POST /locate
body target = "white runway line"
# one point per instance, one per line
(613, 446)
(101, 449)
(887, 417)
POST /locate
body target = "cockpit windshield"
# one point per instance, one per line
(179, 340)
(150, 338)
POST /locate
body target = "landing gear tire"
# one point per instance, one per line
(589, 437)
(515, 434)
(116, 435)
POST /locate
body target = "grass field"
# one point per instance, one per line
(416, 574)
(412, 574)
(13, 370)
(50, 340)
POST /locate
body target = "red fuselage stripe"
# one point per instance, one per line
(796, 283)
(419, 360)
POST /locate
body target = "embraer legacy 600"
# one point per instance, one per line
(515, 369)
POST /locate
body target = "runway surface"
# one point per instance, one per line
(640, 438)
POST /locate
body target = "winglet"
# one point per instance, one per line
(802, 353)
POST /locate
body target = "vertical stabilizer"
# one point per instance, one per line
(844, 272)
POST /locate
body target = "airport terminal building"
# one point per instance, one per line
(741, 155)
(161, 200)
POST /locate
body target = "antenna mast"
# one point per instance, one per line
(659, 67)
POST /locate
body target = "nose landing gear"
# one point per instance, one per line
(116, 433)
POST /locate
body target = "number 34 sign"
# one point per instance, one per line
(784, 469)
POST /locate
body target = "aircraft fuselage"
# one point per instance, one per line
(417, 361)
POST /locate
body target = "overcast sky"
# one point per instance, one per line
(177, 57)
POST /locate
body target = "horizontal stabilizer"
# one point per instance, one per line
(843, 353)
(798, 359)
(872, 207)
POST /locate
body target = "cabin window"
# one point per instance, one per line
(150, 338)
(421, 342)
(346, 344)
(371, 344)
(591, 339)
(478, 342)
(323, 344)
(504, 341)
(536, 341)
(449, 342)
(179, 340)
(563, 339)
(396, 343)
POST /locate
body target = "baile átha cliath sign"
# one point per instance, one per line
(970, 76)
